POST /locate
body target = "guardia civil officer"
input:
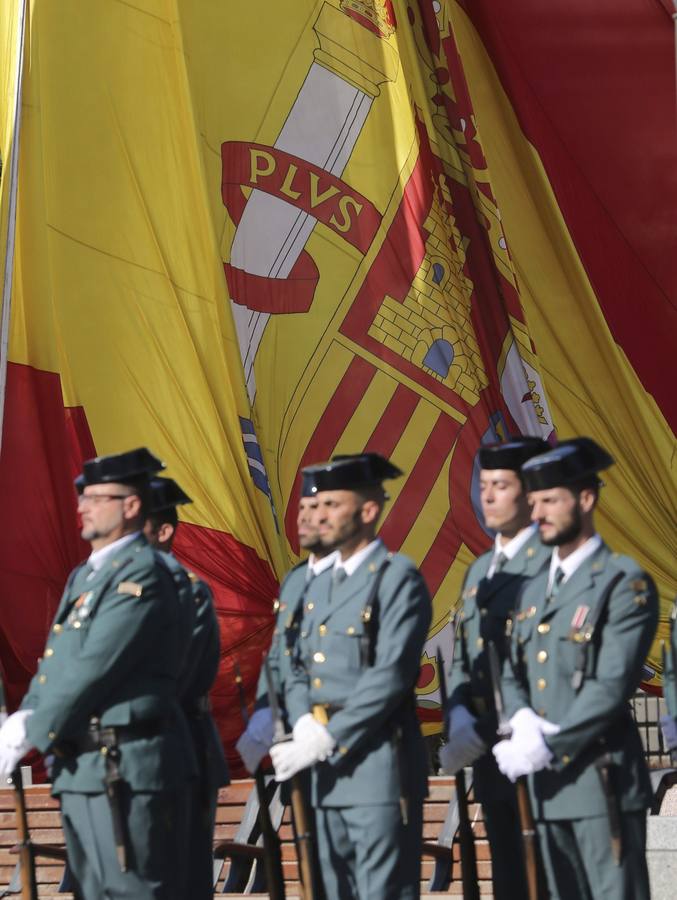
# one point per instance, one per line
(579, 642)
(256, 741)
(195, 681)
(104, 698)
(489, 597)
(351, 695)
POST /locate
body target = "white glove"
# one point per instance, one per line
(13, 732)
(292, 756)
(511, 761)
(251, 751)
(261, 726)
(307, 728)
(526, 751)
(14, 743)
(526, 720)
(669, 729)
(464, 745)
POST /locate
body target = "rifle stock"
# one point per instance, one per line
(466, 837)
(526, 817)
(272, 860)
(304, 840)
(528, 831)
(29, 885)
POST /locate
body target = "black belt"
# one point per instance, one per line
(97, 737)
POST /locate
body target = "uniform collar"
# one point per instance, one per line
(574, 560)
(317, 566)
(512, 548)
(98, 558)
(353, 562)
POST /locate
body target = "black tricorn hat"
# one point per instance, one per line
(308, 488)
(348, 473)
(511, 454)
(570, 461)
(165, 494)
(131, 467)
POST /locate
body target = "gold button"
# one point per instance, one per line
(319, 657)
(42, 679)
(287, 652)
(77, 624)
(49, 651)
(276, 606)
(483, 612)
(51, 735)
(541, 656)
(343, 750)
(566, 759)
(310, 606)
(323, 630)
(317, 682)
(350, 630)
(57, 629)
(541, 684)
(104, 751)
(541, 713)
(543, 628)
(480, 643)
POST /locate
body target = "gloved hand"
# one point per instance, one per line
(14, 743)
(292, 756)
(669, 729)
(261, 726)
(511, 761)
(526, 751)
(251, 751)
(307, 727)
(463, 745)
(257, 738)
(526, 720)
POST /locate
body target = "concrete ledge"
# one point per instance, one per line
(661, 855)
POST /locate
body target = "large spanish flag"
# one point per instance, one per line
(251, 237)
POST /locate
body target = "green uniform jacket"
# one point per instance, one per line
(285, 635)
(198, 673)
(114, 651)
(487, 604)
(547, 640)
(380, 753)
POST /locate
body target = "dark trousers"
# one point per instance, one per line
(579, 863)
(368, 853)
(508, 874)
(200, 860)
(156, 839)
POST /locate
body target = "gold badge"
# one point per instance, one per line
(530, 552)
(130, 587)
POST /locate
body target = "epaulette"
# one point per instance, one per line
(626, 564)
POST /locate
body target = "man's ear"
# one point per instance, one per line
(587, 498)
(370, 512)
(131, 507)
(165, 532)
